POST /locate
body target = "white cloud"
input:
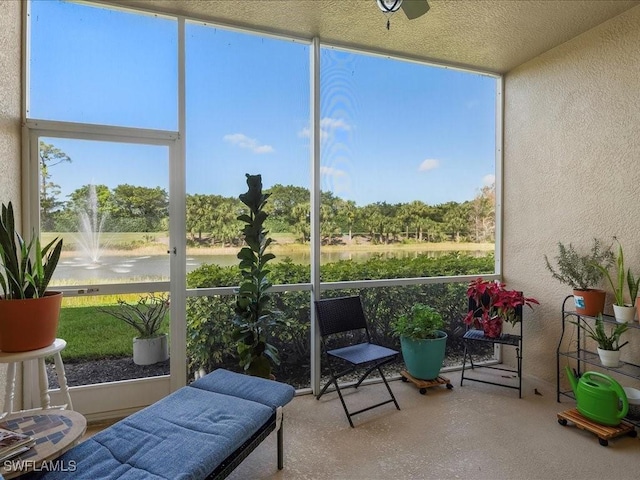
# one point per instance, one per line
(242, 141)
(428, 164)
(488, 180)
(328, 126)
(328, 123)
(332, 172)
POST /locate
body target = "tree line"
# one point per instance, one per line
(212, 219)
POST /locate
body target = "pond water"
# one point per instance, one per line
(122, 268)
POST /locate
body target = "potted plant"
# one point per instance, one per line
(493, 305)
(608, 344)
(28, 312)
(253, 319)
(146, 317)
(624, 312)
(579, 271)
(422, 341)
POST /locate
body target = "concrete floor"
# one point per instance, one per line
(476, 431)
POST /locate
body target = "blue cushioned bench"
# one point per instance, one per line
(203, 430)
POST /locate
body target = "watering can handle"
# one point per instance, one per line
(616, 387)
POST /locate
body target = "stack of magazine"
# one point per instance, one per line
(14, 443)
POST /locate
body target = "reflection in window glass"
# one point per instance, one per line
(96, 65)
(407, 159)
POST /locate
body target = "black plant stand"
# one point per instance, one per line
(477, 336)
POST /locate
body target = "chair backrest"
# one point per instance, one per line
(342, 314)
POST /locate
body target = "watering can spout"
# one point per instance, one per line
(572, 380)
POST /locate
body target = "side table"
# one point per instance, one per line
(55, 431)
(52, 350)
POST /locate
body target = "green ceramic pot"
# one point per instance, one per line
(424, 358)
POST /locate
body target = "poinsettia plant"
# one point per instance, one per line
(493, 299)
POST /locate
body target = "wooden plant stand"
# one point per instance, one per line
(603, 432)
(424, 384)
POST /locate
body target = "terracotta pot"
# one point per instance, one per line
(589, 302)
(29, 324)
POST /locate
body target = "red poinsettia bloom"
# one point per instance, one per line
(493, 299)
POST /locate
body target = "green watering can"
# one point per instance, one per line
(600, 398)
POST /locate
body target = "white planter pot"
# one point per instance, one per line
(147, 351)
(624, 314)
(609, 358)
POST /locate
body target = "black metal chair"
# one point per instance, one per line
(344, 315)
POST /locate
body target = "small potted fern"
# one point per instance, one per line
(580, 271)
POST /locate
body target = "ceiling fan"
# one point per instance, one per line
(412, 8)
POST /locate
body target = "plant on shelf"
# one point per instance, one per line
(608, 343)
(493, 305)
(581, 273)
(422, 341)
(146, 317)
(253, 319)
(624, 312)
(27, 268)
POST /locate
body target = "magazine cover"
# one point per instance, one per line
(13, 443)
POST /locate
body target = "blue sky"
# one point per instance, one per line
(391, 131)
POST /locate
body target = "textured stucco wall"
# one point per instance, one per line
(571, 168)
(10, 85)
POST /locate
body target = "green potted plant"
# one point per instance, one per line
(422, 340)
(253, 319)
(579, 271)
(608, 343)
(624, 312)
(146, 317)
(28, 312)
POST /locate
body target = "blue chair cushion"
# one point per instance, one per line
(363, 353)
(184, 436)
(267, 392)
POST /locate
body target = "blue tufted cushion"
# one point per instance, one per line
(186, 435)
(268, 392)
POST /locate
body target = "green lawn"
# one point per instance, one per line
(91, 334)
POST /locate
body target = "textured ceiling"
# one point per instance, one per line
(490, 35)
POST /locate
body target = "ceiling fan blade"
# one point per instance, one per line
(415, 8)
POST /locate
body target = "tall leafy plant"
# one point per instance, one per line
(622, 278)
(253, 318)
(27, 267)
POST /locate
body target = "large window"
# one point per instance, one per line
(247, 112)
(97, 65)
(407, 158)
(144, 189)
